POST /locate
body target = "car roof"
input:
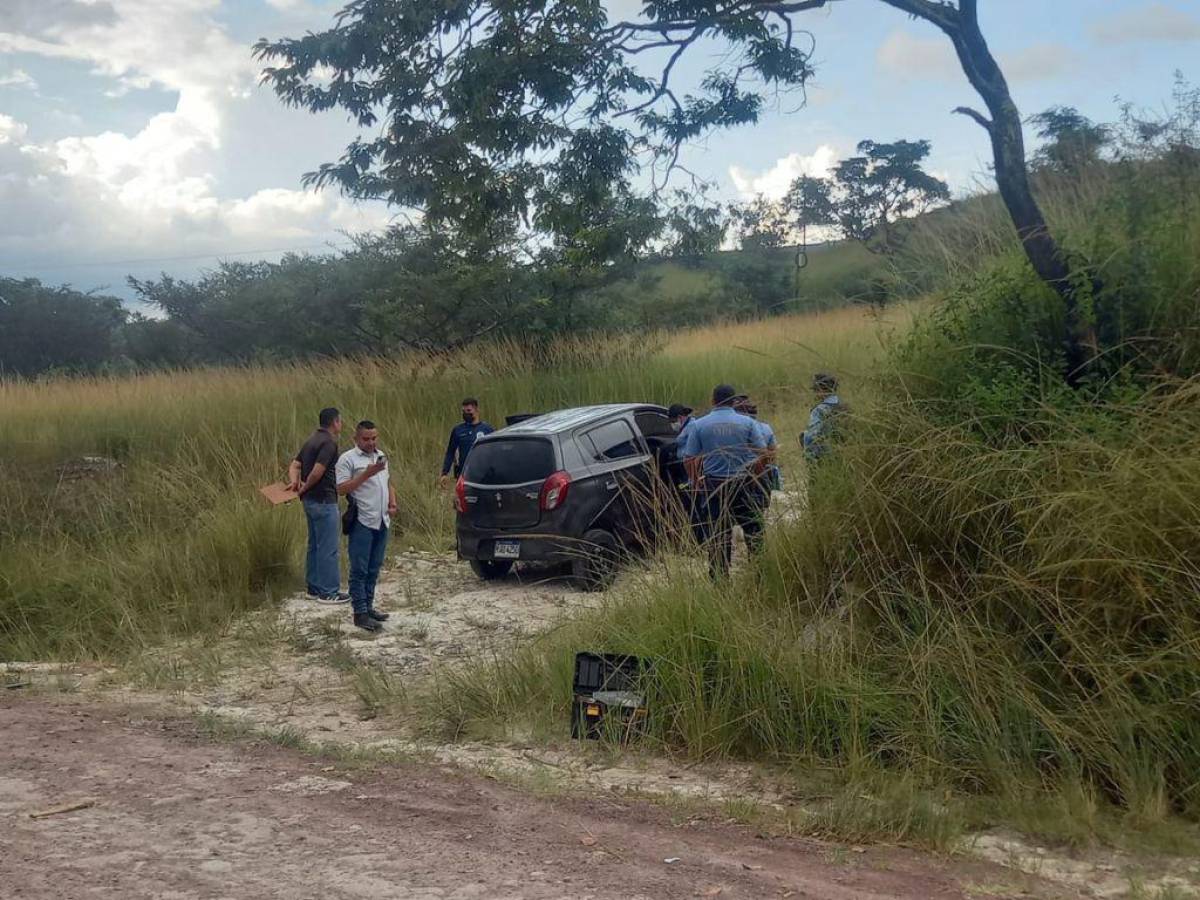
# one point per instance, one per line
(567, 419)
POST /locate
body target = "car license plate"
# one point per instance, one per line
(507, 550)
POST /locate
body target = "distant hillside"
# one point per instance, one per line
(744, 282)
(836, 271)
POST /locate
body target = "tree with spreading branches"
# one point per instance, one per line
(760, 224)
(1072, 141)
(479, 108)
(810, 203)
(879, 188)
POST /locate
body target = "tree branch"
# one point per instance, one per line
(979, 117)
(665, 78)
(943, 14)
(627, 29)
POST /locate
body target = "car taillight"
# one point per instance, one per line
(554, 491)
(460, 495)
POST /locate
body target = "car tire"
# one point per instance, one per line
(491, 569)
(595, 565)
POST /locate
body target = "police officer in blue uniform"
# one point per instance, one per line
(723, 451)
(770, 477)
(462, 439)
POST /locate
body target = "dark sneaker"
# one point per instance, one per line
(377, 615)
(331, 599)
(366, 623)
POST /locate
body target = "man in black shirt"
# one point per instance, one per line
(462, 439)
(312, 477)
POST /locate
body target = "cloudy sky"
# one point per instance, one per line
(134, 138)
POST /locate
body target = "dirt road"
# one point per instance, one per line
(179, 815)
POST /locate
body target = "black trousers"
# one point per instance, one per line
(719, 507)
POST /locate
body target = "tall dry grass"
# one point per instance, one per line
(178, 542)
(960, 634)
(992, 593)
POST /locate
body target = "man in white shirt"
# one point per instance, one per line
(362, 476)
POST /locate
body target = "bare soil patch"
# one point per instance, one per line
(178, 816)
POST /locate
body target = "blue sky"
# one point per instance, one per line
(135, 140)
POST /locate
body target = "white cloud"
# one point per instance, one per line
(78, 200)
(906, 56)
(819, 96)
(160, 191)
(1040, 62)
(173, 44)
(18, 78)
(49, 17)
(775, 181)
(11, 131)
(1149, 23)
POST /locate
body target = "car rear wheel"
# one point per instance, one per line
(491, 569)
(595, 566)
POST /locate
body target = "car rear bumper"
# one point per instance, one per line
(481, 545)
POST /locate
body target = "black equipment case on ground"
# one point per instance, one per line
(608, 698)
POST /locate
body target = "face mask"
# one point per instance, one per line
(677, 427)
(468, 418)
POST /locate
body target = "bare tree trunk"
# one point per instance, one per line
(1012, 174)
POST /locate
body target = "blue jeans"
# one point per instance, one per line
(734, 501)
(321, 565)
(367, 546)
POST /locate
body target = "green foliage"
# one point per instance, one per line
(696, 229)
(44, 328)
(876, 190)
(761, 224)
(405, 288)
(415, 290)
(763, 284)
(1049, 583)
(431, 291)
(870, 198)
(810, 201)
(493, 107)
(991, 350)
(992, 586)
(1073, 142)
(178, 543)
(1008, 622)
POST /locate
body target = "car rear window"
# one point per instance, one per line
(654, 423)
(510, 461)
(614, 440)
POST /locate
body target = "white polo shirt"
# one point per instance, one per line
(372, 495)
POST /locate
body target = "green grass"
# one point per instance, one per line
(990, 602)
(178, 543)
(835, 273)
(987, 613)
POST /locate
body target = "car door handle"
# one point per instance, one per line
(611, 485)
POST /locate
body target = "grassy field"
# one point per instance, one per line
(953, 637)
(835, 272)
(177, 542)
(985, 613)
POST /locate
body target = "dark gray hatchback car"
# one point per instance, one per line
(578, 486)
